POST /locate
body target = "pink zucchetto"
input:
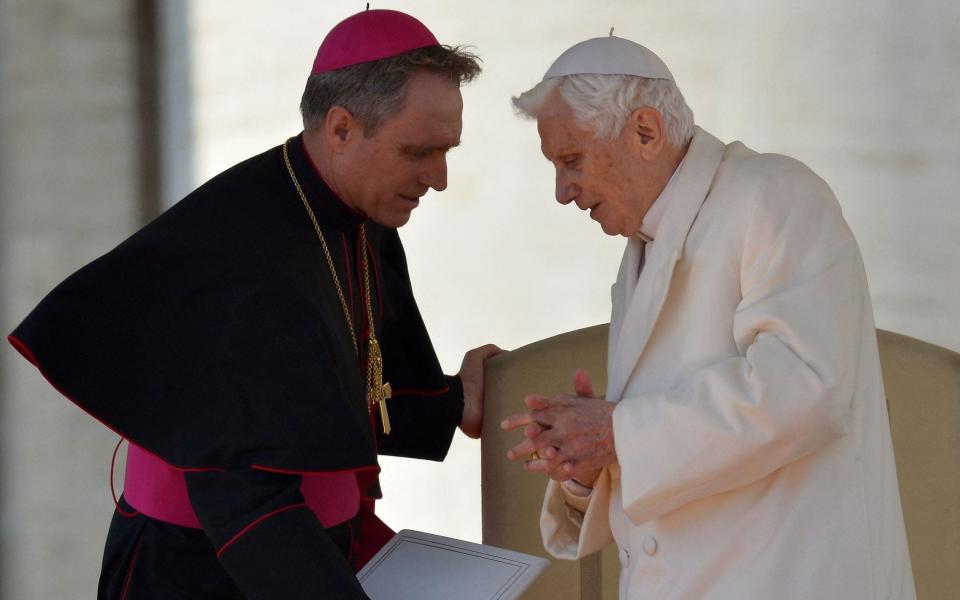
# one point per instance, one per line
(368, 36)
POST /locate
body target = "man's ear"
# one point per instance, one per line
(646, 126)
(340, 128)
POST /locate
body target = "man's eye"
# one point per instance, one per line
(570, 161)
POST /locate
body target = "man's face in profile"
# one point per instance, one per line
(597, 175)
(407, 154)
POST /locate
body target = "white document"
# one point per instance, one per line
(422, 566)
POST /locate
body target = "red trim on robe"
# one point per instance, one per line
(365, 476)
(113, 492)
(376, 280)
(356, 470)
(361, 288)
(259, 520)
(129, 576)
(346, 262)
(374, 534)
(25, 351)
(439, 392)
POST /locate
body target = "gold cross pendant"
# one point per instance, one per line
(379, 391)
(386, 392)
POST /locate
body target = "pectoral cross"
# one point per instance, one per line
(385, 393)
(379, 391)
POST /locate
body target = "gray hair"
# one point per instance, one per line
(603, 103)
(374, 91)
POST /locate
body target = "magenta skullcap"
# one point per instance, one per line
(371, 35)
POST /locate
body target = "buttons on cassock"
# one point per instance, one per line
(649, 545)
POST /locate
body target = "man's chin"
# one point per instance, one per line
(612, 229)
(394, 220)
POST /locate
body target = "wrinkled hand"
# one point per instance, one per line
(572, 435)
(471, 375)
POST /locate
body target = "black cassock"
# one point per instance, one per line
(214, 338)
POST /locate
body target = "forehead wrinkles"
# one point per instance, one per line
(560, 135)
(426, 130)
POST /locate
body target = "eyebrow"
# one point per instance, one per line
(414, 148)
(565, 151)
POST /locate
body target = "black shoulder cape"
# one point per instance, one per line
(215, 339)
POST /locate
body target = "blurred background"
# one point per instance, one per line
(110, 111)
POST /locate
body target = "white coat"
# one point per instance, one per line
(754, 452)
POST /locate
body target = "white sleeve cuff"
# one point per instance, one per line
(576, 495)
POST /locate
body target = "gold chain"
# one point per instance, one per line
(326, 250)
(377, 391)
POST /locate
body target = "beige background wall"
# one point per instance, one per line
(68, 183)
(867, 93)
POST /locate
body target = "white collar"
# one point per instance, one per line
(651, 220)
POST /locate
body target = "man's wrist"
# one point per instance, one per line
(577, 489)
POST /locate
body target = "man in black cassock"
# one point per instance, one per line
(259, 344)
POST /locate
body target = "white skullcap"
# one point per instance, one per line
(609, 56)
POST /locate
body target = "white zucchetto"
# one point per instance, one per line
(609, 56)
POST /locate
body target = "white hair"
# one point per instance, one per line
(603, 103)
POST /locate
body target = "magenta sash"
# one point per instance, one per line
(159, 491)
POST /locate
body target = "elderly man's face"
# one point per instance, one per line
(388, 172)
(603, 177)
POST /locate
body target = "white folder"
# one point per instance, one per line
(422, 566)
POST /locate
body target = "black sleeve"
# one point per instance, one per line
(266, 537)
(423, 421)
(427, 405)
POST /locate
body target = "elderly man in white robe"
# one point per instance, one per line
(742, 449)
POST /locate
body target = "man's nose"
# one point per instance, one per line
(436, 175)
(567, 192)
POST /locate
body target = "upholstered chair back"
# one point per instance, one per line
(922, 383)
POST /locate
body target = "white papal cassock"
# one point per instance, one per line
(754, 451)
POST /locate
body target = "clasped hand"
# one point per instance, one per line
(566, 437)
